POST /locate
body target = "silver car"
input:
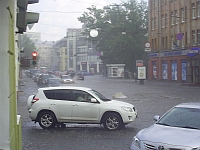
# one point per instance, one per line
(66, 79)
(178, 129)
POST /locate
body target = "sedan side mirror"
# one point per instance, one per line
(156, 117)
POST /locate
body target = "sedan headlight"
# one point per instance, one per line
(198, 148)
(136, 142)
(127, 109)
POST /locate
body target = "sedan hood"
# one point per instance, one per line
(171, 135)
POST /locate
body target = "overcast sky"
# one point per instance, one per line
(58, 15)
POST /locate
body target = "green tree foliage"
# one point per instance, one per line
(122, 31)
(27, 46)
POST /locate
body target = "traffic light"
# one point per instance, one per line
(23, 17)
(34, 54)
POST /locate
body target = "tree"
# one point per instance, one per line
(26, 46)
(122, 31)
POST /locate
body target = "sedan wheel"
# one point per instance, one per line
(47, 120)
(112, 121)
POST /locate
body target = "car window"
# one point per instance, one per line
(79, 95)
(182, 117)
(99, 95)
(58, 94)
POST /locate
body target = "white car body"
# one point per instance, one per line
(67, 111)
(165, 137)
(66, 79)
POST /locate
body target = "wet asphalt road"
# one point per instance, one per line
(152, 98)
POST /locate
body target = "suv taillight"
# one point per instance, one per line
(34, 100)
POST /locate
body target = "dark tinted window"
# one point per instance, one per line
(82, 96)
(58, 94)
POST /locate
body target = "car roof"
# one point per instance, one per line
(65, 87)
(189, 105)
(53, 79)
(44, 74)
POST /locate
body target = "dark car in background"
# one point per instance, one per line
(42, 78)
(53, 82)
(80, 75)
(30, 72)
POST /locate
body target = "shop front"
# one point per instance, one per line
(180, 65)
(115, 70)
(193, 65)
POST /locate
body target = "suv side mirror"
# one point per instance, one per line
(93, 100)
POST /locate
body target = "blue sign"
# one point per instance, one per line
(179, 36)
(194, 51)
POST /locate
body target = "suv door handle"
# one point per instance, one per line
(75, 105)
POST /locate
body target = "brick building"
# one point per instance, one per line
(174, 34)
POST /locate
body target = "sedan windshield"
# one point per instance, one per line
(66, 77)
(99, 95)
(54, 81)
(182, 117)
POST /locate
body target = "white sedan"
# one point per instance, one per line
(178, 129)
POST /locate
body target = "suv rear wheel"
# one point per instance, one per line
(47, 120)
(112, 121)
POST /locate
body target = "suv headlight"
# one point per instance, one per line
(127, 109)
(136, 141)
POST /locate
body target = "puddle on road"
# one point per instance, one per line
(72, 126)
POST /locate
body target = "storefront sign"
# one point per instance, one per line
(175, 53)
(194, 51)
(139, 63)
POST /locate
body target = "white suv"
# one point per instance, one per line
(59, 105)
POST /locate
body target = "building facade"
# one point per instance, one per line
(44, 50)
(174, 34)
(10, 124)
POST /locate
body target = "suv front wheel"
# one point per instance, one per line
(47, 120)
(112, 121)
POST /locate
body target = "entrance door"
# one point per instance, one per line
(195, 74)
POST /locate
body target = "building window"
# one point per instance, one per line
(193, 10)
(193, 38)
(155, 44)
(166, 42)
(163, 44)
(172, 18)
(198, 37)
(163, 2)
(185, 36)
(163, 21)
(166, 19)
(183, 42)
(182, 15)
(152, 23)
(198, 9)
(176, 16)
(172, 41)
(154, 3)
(152, 41)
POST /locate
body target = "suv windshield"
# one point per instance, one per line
(99, 95)
(182, 117)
